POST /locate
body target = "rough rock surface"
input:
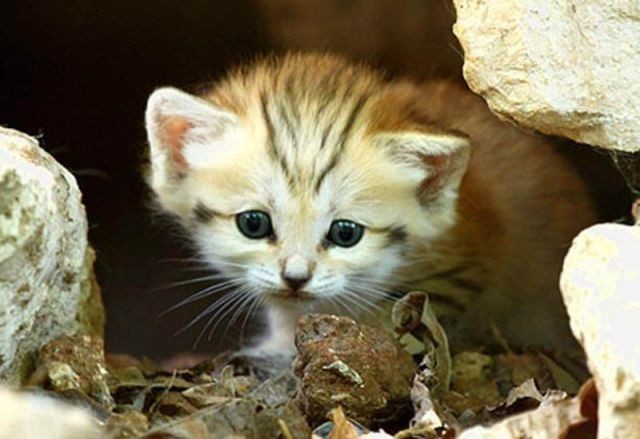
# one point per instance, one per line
(37, 416)
(550, 420)
(47, 286)
(359, 368)
(75, 364)
(564, 68)
(600, 285)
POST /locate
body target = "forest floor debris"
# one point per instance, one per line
(348, 381)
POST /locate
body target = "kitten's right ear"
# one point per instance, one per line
(183, 131)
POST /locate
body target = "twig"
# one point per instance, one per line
(286, 434)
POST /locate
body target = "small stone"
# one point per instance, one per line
(359, 368)
(75, 363)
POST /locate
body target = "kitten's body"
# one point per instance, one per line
(520, 205)
(311, 140)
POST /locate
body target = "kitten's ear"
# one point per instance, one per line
(443, 157)
(183, 131)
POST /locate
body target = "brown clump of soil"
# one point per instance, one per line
(359, 368)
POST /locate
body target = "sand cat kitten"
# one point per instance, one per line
(315, 184)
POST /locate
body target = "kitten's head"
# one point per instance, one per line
(305, 178)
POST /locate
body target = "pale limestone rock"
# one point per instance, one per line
(47, 286)
(547, 421)
(40, 417)
(568, 68)
(600, 285)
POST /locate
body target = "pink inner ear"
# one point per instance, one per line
(174, 130)
(438, 166)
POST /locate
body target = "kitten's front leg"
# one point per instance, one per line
(276, 350)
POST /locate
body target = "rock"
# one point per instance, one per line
(75, 364)
(26, 415)
(359, 368)
(550, 420)
(47, 285)
(563, 68)
(556, 417)
(600, 284)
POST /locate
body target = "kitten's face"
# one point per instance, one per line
(342, 236)
(298, 205)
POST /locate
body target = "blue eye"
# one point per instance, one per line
(345, 233)
(254, 224)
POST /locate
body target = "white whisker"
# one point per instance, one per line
(213, 289)
(218, 313)
(373, 293)
(390, 285)
(220, 316)
(365, 297)
(191, 281)
(342, 304)
(250, 296)
(221, 263)
(211, 307)
(353, 299)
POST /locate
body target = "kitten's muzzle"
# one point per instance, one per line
(289, 295)
(295, 283)
(296, 273)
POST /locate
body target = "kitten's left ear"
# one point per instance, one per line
(183, 131)
(442, 156)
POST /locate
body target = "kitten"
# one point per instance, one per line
(317, 185)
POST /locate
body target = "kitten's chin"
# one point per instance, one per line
(290, 299)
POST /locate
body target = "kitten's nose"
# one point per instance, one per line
(296, 272)
(295, 283)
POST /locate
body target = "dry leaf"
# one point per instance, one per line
(342, 428)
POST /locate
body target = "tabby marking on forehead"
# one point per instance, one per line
(292, 119)
(272, 148)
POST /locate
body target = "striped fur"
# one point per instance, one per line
(311, 139)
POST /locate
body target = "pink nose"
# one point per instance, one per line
(295, 283)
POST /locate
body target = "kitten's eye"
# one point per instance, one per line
(345, 233)
(254, 224)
